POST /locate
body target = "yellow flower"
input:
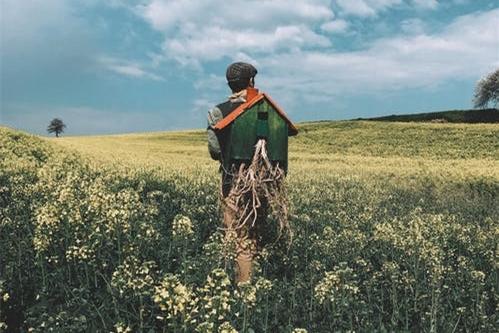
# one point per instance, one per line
(182, 226)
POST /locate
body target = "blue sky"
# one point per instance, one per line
(132, 66)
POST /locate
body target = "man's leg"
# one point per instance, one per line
(245, 247)
(245, 254)
(251, 241)
(245, 238)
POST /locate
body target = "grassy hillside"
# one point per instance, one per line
(396, 228)
(342, 147)
(452, 116)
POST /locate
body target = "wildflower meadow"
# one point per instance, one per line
(396, 229)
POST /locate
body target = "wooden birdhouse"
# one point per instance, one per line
(258, 118)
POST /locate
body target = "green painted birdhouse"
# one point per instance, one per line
(258, 118)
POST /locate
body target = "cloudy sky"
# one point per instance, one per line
(147, 65)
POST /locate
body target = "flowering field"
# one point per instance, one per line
(396, 229)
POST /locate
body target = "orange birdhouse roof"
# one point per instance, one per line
(256, 97)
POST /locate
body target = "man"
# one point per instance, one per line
(240, 76)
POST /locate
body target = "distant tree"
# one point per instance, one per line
(487, 90)
(56, 126)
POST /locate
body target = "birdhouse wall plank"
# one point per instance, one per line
(277, 144)
(243, 135)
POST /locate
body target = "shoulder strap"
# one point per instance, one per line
(228, 107)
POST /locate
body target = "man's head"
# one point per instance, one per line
(240, 75)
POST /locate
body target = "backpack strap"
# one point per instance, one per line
(228, 107)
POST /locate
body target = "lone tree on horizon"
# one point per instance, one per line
(487, 90)
(56, 126)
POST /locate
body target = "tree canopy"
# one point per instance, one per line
(56, 126)
(487, 90)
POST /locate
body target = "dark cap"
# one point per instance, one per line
(240, 71)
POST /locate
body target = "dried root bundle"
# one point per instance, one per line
(256, 185)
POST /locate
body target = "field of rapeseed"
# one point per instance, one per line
(396, 229)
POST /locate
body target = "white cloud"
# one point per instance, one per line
(465, 49)
(197, 31)
(242, 56)
(413, 26)
(371, 8)
(213, 43)
(252, 29)
(200, 107)
(429, 4)
(127, 68)
(336, 26)
(133, 71)
(365, 8)
(210, 82)
(242, 14)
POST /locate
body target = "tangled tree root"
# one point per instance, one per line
(260, 183)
